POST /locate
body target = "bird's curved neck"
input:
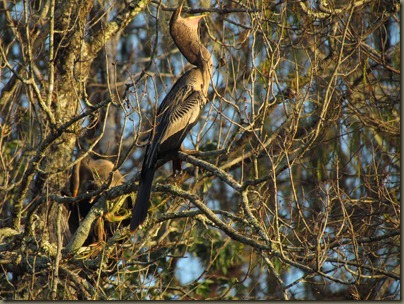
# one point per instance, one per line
(184, 32)
(205, 64)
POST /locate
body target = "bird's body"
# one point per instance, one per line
(176, 115)
(179, 110)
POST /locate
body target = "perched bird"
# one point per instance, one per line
(179, 110)
(89, 175)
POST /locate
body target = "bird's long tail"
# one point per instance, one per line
(142, 203)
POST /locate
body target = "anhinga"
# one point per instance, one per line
(179, 110)
(89, 175)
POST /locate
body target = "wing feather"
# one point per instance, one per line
(182, 119)
(176, 115)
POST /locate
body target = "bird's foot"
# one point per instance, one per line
(176, 177)
(176, 174)
(177, 167)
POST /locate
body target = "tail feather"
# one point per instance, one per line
(139, 211)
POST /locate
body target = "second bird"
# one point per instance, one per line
(179, 110)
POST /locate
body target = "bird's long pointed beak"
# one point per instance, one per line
(199, 16)
(179, 8)
(196, 19)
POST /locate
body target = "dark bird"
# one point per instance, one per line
(89, 175)
(179, 110)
